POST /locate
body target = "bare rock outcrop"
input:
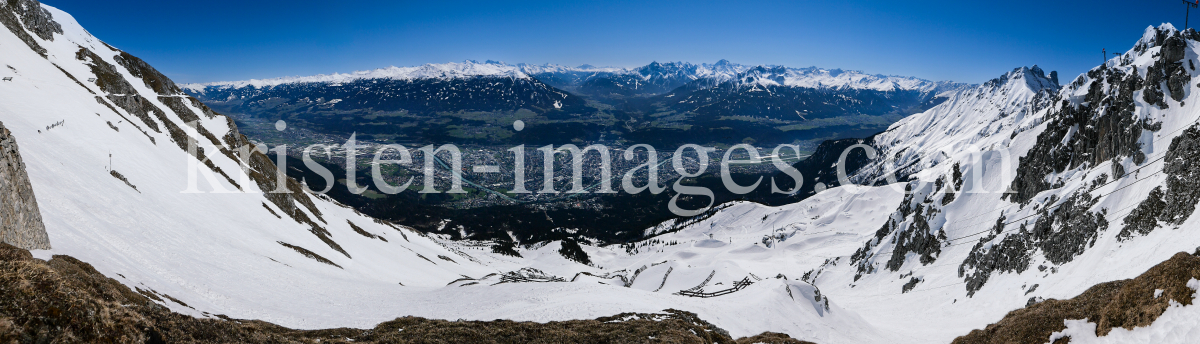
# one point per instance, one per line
(20, 220)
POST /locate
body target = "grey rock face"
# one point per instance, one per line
(1061, 232)
(37, 19)
(910, 231)
(20, 220)
(912, 283)
(1174, 205)
(1068, 230)
(1012, 254)
(1170, 69)
(919, 238)
(150, 76)
(1144, 219)
(1173, 49)
(1182, 181)
(1107, 129)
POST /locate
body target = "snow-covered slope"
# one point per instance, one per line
(1021, 190)
(1101, 173)
(104, 138)
(295, 259)
(986, 116)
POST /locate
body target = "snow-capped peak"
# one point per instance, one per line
(554, 68)
(813, 77)
(452, 70)
(984, 115)
(1028, 79)
(713, 73)
(1151, 34)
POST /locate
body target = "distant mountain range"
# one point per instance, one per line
(658, 78)
(663, 103)
(663, 76)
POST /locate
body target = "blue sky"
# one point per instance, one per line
(968, 41)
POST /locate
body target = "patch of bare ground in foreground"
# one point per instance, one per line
(1125, 304)
(65, 300)
(771, 338)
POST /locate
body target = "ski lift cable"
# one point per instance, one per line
(947, 285)
(1111, 218)
(1133, 172)
(1114, 216)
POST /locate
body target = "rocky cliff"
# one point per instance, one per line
(20, 221)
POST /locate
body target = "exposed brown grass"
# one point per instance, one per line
(771, 338)
(1126, 304)
(65, 300)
